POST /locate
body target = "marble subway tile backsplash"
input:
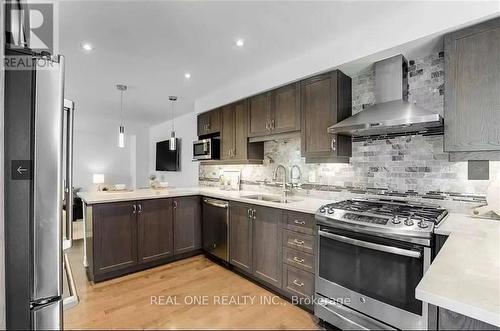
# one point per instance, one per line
(420, 168)
(412, 166)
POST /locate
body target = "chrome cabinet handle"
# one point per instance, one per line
(140, 208)
(333, 144)
(272, 124)
(175, 203)
(298, 242)
(251, 214)
(134, 208)
(296, 259)
(299, 222)
(296, 282)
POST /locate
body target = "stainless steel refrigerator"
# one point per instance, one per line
(38, 185)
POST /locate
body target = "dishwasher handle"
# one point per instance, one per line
(216, 203)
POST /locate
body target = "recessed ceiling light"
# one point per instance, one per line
(240, 42)
(187, 75)
(87, 46)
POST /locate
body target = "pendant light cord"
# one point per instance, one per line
(121, 107)
(173, 125)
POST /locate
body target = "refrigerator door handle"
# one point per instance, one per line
(69, 108)
(73, 299)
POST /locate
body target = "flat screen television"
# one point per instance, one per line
(167, 160)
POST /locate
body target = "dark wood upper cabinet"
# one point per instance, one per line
(115, 233)
(277, 111)
(325, 100)
(267, 247)
(472, 85)
(209, 122)
(285, 109)
(155, 229)
(187, 224)
(240, 236)
(227, 132)
(234, 135)
(259, 109)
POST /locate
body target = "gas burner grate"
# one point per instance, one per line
(392, 208)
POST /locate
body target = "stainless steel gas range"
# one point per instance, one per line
(371, 256)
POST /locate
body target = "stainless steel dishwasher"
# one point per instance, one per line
(216, 228)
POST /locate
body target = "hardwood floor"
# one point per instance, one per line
(126, 302)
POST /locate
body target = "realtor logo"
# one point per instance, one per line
(29, 25)
(41, 27)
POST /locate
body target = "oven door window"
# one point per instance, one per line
(385, 276)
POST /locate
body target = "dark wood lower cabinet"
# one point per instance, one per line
(115, 236)
(155, 229)
(125, 237)
(187, 224)
(267, 248)
(255, 242)
(449, 320)
(240, 236)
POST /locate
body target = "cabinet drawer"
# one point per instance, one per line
(300, 222)
(298, 259)
(297, 282)
(300, 241)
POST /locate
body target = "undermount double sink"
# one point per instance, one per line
(270, 198)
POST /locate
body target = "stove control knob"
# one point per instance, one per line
(423, 225)
(322, 209)
(331, 210)
(396, 220)
(409, 222)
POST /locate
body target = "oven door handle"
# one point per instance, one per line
(378, 247)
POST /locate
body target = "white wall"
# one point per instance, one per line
(185, 128)
(415, 20)
(96, 151)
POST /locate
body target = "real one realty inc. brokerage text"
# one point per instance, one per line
(239, 300)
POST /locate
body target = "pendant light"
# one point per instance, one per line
(121, 129)
(173, 141)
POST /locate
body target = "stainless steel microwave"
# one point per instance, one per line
(206, 149)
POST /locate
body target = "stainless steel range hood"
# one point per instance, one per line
(391, 113)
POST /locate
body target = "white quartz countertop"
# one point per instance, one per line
(302, 204)
(465, 275)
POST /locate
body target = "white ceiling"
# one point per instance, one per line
(149, 45)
